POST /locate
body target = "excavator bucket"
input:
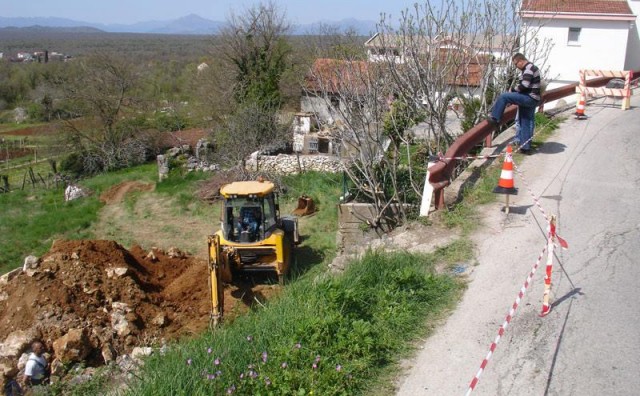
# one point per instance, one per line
(306, 206)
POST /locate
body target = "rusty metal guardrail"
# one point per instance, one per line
(441, 172)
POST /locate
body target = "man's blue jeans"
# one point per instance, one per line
(526, 113)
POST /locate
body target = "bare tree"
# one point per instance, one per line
(250, 127)
(358, 98)
(101, 92)
(435, 53)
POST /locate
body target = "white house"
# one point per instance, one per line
(597, 34)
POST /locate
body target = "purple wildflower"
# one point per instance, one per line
(251, 366)
(314, 366)
(298, 345)
(189, 361)
(231, 389)
(267, 381)
(253, 374)
(338, 368)
(284, 365)
(209, 350)
(317, 359)
(218, 373)
(241, 375)
(217, 362)
(249, 338)
(264, 357)
(211, 376)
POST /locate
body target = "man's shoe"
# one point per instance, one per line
(492, 121)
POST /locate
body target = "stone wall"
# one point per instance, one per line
(292, 164)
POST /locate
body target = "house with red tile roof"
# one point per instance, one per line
(581, 34)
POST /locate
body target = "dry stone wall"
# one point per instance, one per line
(292, 164)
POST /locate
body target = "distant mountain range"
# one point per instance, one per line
(189, 24)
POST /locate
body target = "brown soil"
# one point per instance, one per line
(117, 193)
(74, 287)
(14, 153)
(46, 129)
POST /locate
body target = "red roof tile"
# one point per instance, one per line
(334, 76)
(578, 6)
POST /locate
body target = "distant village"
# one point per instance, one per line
(37, 56)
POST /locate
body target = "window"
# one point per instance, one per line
(574, 36)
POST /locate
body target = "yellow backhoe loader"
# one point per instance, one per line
(253, 237)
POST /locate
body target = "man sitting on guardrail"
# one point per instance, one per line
(526, 95)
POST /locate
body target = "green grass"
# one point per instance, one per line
(32, 219)
(347, 326)
(14, 126)
(318, 230)
(30, 222)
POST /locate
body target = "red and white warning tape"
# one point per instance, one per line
(562, 242)
(440, 157)
(505, 324)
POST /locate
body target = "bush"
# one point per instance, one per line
(170, 122)
(72, 164)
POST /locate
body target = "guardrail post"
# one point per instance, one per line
(487, 140)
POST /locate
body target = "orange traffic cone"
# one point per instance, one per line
(505, 184)
(580, 109)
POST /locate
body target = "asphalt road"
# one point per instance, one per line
(588, 174)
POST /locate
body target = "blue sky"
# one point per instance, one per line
(131, 11)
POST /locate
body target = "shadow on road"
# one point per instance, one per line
(564, 325)
(519, 210)
(572, 293)
(551, 148)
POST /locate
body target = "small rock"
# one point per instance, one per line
(8, 277)
(4, 296)
(160, 320)
(30, 262)
(57, 368)
(117, 272)
(16, 342)
(72, 347)
(120, 324)
(139, 352)
(174, 252)
(107, 353)
(125, 363)
(151, 256)
(22, 362)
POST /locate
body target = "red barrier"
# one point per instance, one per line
(441, 172)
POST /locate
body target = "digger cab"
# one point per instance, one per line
(250, 212)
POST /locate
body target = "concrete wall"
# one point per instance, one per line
(602, 45)
(352, 227)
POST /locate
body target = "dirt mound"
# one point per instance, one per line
(119, 191)
(118, 299)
